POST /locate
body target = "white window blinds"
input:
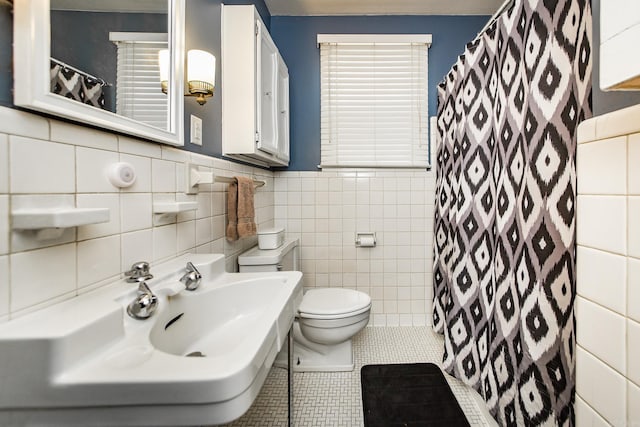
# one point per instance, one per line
(374, 100)
(138, 92)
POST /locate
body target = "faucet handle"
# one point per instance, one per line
(139, 268)
(192, 268)
(139, 271)
(192, 277)
(143, 288)
(145, 303)
(139, 279)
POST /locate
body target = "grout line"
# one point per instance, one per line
(622, 375)
(582, 245)
(594, 409)
(601, 305)
(626, 285)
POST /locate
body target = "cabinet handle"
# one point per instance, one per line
(279, 267)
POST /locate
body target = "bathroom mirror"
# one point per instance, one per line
(101, 62)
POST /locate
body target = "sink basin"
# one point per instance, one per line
(201, 359)
(216, 322)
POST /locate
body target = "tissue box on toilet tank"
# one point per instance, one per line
(271, 238)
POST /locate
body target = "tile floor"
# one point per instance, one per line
(334, 399)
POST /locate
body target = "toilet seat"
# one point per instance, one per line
(333, 303)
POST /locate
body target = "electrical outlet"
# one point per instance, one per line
(196, 130)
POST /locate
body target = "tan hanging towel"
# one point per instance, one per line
(240, 209)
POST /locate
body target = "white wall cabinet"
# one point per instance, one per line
(255, 90)
(283, 110)
(619, 38)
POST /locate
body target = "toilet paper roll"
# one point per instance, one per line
(366, 241)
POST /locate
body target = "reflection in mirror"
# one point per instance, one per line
(95, 79)
(105, 54)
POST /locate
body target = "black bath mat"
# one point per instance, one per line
(408, 395)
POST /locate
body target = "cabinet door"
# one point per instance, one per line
(619, 36)
(266, 79)
(283, 110)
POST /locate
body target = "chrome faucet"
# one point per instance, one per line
(191, 278)
(138, 272)
(145, 303)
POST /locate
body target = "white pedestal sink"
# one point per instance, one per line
(201, 359)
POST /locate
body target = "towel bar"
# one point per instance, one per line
(229, 180)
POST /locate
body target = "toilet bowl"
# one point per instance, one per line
(327, 318)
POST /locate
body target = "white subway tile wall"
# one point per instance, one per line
(69, 133)
(610, 158)
(136, 213)
(136, 246)
(596, 267)
(142, 166)
(16, 122)
(585, 416)
(608, 270)
(4, 285)
(633, 350)
(44, 162)
(602, 388)
(633, 397)
(42, 274)
(140, 148)
(39, 166)
(633, 227)
(633, 155)
(110, 201)
(4, 224)
(47, 162)
(602, 222)
(4, 163)
(605, 335)
(100, 260)
(91, 170)
(326, 209)
(633, 289)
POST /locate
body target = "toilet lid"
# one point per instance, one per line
(333, 301)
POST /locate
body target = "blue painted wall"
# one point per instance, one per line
(296, 39)
(6, 52)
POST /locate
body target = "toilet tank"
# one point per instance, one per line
(284, 258)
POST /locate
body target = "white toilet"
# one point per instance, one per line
(327, 318)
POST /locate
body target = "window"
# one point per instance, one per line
(374, 100)
(138, 92)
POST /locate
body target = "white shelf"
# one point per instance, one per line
(38, 219)
(174, 207)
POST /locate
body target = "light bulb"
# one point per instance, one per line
(201, 67)
(163, 63)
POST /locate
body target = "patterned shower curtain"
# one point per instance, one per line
(504, 265)
(77, 86)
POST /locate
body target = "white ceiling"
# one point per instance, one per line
(382, 7)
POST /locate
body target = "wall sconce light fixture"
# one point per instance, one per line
(201, 73)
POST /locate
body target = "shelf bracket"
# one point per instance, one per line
(195, 177)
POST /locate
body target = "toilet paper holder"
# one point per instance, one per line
(365, 239)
